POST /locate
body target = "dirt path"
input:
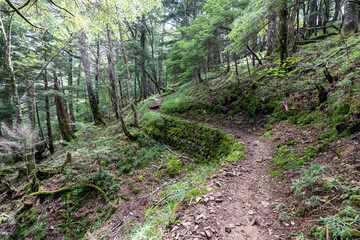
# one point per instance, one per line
(241, 205)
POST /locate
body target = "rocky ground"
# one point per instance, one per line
(241, 199)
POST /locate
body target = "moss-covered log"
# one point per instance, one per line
(70, 188)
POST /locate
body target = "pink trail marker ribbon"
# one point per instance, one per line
(286, 106)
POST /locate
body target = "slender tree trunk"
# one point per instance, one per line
(39, 124)
(313, 16)
(63, 118)
(351, 21)
(326, 14)
(131, 89)
(113, 78)
(10, 68)
(143, 70)
(47, 110)
(337, 10)
(284, 32)
(94, 104)
(96, 90)
(161, 58)
(272, 33)
(70, 82)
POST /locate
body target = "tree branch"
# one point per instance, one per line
(21, 15)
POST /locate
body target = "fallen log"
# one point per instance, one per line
(70, 188)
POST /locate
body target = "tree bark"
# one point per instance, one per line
(284, 32)
(94, 104)
(143, 70)
(47, 110)
(10, 68)
(351, 21)
(70, 82)
(132, 90)
(337, 10)
(113, 78)
(272, 33)
(63, 118)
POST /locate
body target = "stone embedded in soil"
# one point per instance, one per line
(208, 233)
(251, 212)
(265, 204)
(229, 227)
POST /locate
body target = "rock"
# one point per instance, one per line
(243, 169)
(208, 233)
(238, 224)
(230, 174)
(194, 227)
(174, 229)
(201, 216)
(251, 212)
(211, 198)
(265, 204)
(198, 199)
(203, 234)
(345, 151)
(187, 225)
(206, 200)
(229, 227)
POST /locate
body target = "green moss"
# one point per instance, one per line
(311, 152)
(135, 191)
(173, 166)
(355, 200)
(239, 146)
(267, 134)
(339, 114)
(234, 157)
(323, 147)
(290, 143)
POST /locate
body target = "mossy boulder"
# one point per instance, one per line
(345, 151)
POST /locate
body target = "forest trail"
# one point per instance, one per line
(241, 206)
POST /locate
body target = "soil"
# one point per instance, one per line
(240, 204)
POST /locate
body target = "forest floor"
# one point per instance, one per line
(242, 198)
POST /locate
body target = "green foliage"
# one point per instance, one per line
(311, 152)
(308, 178)
(173, 166)
(341, 225)
(267, 134)
(282, 69)
(179, 102)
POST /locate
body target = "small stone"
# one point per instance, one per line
(251, 212)
(175, 228)
(292, 223)
(206, 200)
(198, 199)
(186, 225)
(203, 234)
(201, 216)
(208, 233)
(211, 198)
(286, 224)
(238, 224)
(229, 227)
(265, 204)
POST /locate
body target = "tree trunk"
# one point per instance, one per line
(161, 57)
(70, 82)
(113, 78)
(351, 21)
(337, 10)
(143, 70)
(94, 104)
(10, 68)
(326, 14)
(313, 16)
(64, 122)
(284, 47)
(47, 110)
(132, 90)
(272, 33)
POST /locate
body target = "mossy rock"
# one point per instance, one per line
(173, 166)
